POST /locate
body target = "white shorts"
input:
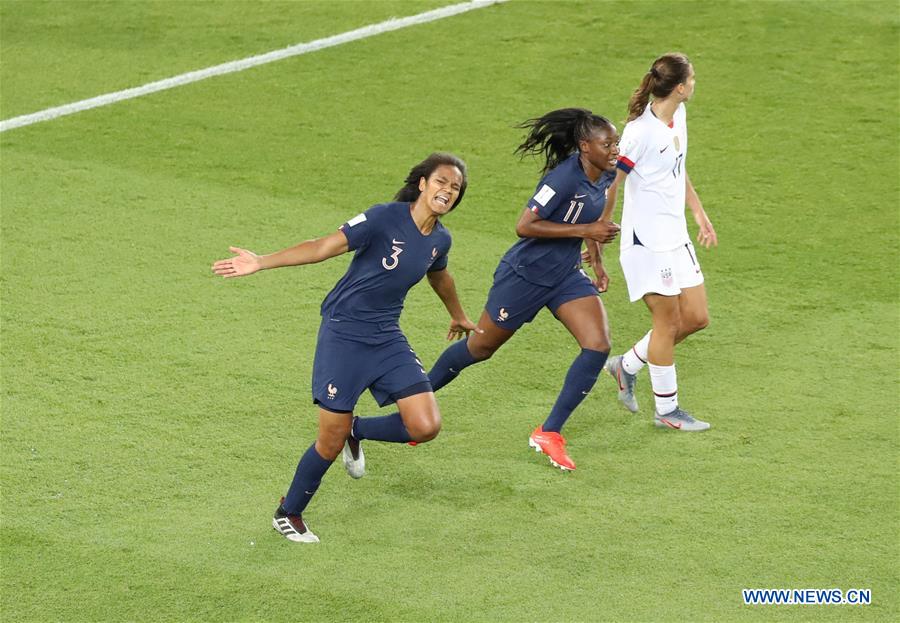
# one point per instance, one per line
(664, 272)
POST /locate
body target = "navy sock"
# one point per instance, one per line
(580, 380)
(310, 470)
(450, 364)
(381, 428)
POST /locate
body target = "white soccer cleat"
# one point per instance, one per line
(292, 527)
(353, 458)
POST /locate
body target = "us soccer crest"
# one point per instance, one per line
(666, 274)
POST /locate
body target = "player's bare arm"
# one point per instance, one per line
(531, 225)
(612, 193)
(308, 252)
(594, 252)
(706, 235)
(442, 283)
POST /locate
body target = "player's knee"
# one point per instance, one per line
(424, 427)
(694, 324)
(597, 342)
(701, 323)
(331, 438)
(669, 326)
(481, 352)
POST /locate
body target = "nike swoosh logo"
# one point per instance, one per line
(397, 242)
(663, 149)
(671, 424)
(579, 196)
(585, 393)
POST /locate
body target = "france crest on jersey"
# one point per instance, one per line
(392, 256)
(564, 195)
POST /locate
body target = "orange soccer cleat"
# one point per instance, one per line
(553, 445)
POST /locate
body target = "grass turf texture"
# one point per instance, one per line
(152, 414)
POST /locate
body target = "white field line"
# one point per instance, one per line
(246, 63)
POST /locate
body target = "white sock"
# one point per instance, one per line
(636, 356)
(665, 388)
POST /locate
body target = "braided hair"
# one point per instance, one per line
(556, 134)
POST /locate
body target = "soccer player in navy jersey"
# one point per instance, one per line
(543, 269)
(360, 345)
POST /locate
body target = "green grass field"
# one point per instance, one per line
(152, 414)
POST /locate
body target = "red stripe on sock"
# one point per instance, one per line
(665, 395)
(638, 356)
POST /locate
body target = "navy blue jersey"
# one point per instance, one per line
(564, 195)
(392, 256)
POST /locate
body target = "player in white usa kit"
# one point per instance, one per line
(656, 253)
(360, 345)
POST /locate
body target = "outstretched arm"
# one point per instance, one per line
(309, 252)
(707, 234)
(442, 283)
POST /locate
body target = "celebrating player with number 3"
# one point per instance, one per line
(360, 345)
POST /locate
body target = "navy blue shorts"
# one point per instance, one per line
(513, 301)
(352, 358)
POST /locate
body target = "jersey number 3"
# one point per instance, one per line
(394, 257)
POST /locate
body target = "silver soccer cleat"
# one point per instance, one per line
(625, 381)
(680, 420)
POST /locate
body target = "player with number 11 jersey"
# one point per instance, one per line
(543, 269)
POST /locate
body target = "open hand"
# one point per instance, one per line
(244, 263)
(462, 328)
(707, 234)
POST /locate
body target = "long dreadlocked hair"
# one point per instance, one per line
(556, 134)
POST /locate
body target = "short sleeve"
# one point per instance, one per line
(358, 230)
(631, 148)
(553, 190)
(440, 263)
(443, 257)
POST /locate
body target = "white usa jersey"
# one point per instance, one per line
(653, 155)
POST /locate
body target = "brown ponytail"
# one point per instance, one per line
(666, 73)
(640, 98)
